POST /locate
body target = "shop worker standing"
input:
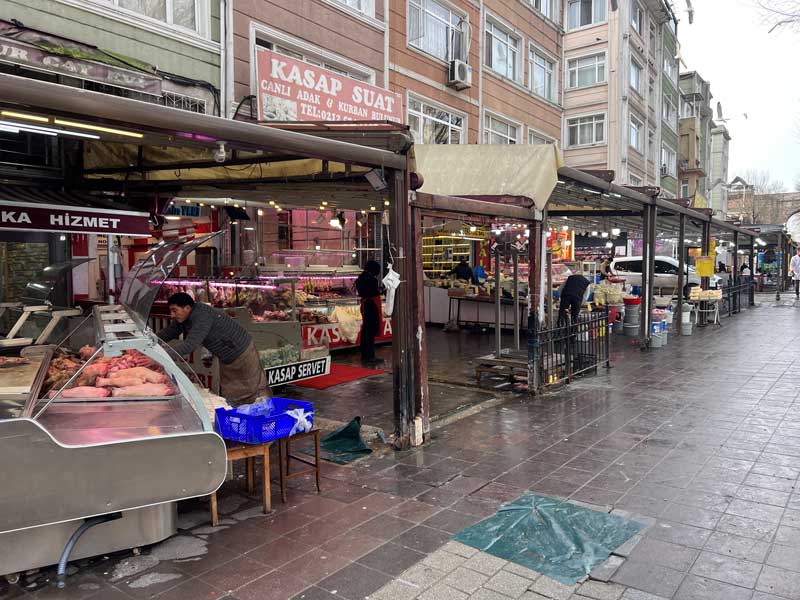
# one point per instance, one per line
(573, 293)
(794, 267)
(368, 287)
(241, 377)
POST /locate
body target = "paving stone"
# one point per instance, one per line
(752, 528)
(442, 592)
(525, 572)
(784, 557)
(691, 515)
(640, 595)
(532, 596)
(509, 584)
(601, 591)
(485, 563)
(755, 510)
(550, 588)
(737, 546)
(422, 576)
(700, 588)
(779, 582)
(648, 577)
(466, 580)
(605, 570)
(487, 594)
(679, 533)
(396, 590)
(625, 549)
(460, 549)
(391, 558)
(665, 554)
(444, 561)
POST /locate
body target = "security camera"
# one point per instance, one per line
(219, 154)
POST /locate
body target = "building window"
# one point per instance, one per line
(366, 7)
(668, 161)
(543, 6)
(651, 146)
(670, 67)
(311, 59)
(636, 137)
(636, 76)
(668, 111)
(542, 74)
(430, 124)
(170, 99)
(534, 137)
(637, 17)
(186, 14)
(634, 180)
(436, 29)
(583, 131)
(581, 13)
(687, 108)
(502, 50)
(499, 131)
(684, 188)
(587, 70)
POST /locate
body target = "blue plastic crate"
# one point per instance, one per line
(258, 429)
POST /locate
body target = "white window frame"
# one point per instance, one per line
(452, 28)
(492, 24)
(592, 23)
(535, 52)
(439, 106)
(594, 142)
(546, 8)
(636, 122)
(200, 37)
(367, 10)
(684, 184)
(670, 68)
(637, 85)
(486, 130)
(634, 180)
(537, 134)
(651, 145)
(637, 26)
(572, 66)
(667, 115)
(268, 35)
(671, 164)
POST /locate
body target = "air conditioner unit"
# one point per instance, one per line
(459, 75)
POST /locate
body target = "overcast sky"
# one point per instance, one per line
(751, 71)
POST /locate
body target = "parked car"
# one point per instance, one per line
(666, 273)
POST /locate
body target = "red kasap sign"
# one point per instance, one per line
(291, 90)
(27, 216)
(329, 334)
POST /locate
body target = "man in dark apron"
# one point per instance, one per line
(368, 287)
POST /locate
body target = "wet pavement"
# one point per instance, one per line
(699, 440)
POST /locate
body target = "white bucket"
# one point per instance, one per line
(656, 341)
(631, 329)
(686, 328)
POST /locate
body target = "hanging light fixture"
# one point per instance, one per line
(615, 231)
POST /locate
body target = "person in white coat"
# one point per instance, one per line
(794, 267)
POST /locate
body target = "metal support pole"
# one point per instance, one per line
(498, 334)
(402, 346)
(537, 247)
(753, 262)
(735, 266)
(515, 259)
(418, 332)
(648, 268)
(681, 269)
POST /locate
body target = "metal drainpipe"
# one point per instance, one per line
(681, 269)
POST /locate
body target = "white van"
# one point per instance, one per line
(666, 273)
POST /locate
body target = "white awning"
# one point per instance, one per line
(529, 171)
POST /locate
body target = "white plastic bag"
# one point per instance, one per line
(391, 282)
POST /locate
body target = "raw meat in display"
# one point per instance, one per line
(10, 361)
(148, 375)
(82, 391)
(86, 352)
(121, 381)
(143, 390)
(96, 370)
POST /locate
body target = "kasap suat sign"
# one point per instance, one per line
(291, 90)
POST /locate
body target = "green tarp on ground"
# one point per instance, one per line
(342, 446)
(561, 540)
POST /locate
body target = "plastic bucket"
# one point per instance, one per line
(656, 341)
(631, 330)
(664, 338)
(686, 329)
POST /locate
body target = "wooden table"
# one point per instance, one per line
(249, 452)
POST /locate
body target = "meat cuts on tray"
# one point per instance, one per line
(82, 391)
(142, 390)
(132, 372)
(12, 361)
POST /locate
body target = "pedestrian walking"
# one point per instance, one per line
(794, 267)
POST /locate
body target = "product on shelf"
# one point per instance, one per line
(274, 357)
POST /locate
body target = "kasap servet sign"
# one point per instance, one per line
(291, 90)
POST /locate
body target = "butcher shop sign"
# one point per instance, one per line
(305, 369)
(29, 216)
(292, 90)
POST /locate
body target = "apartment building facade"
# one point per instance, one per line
(718, 169)
(621, 90)
(695, 127)
(161, 51)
